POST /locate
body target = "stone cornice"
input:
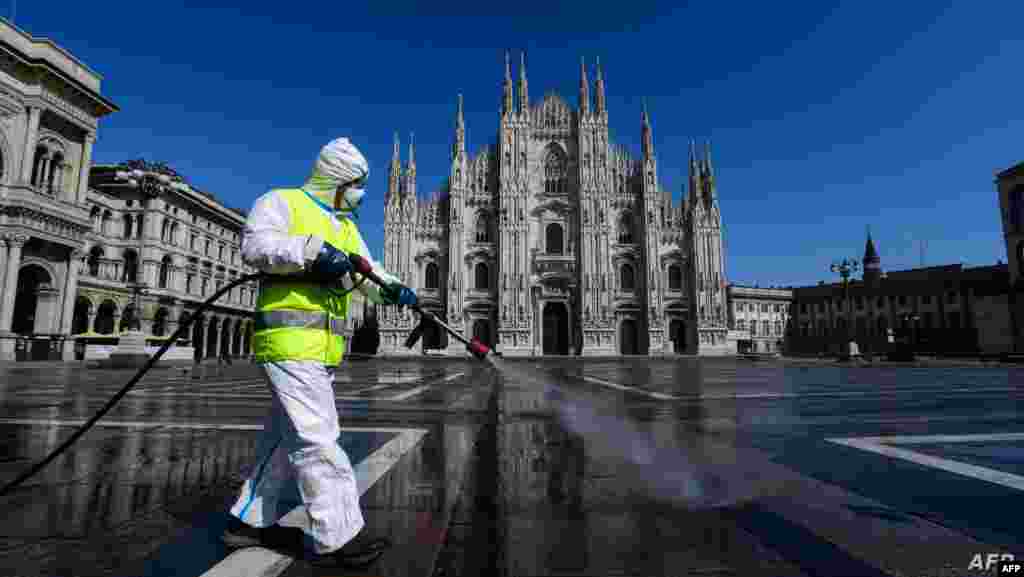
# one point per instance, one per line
(49, 221)
(45, 56)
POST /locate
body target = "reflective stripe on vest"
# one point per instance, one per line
(297, 319)
(316, 338)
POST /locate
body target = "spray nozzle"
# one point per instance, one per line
(478, 348)
(360, 264)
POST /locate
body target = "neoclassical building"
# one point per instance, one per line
(87, 248)
(760, 316)
(158, 246)
(554, 240)
(50, 107)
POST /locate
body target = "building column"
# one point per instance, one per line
(216, 339)
(31, 134)
(40, 175)
(15, 242)
(83, 169)
(68, 308)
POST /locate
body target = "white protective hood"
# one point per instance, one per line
(340, 162)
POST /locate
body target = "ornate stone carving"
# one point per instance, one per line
(14, 240)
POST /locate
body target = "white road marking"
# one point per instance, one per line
(408, 394)
(598, 381)
(451, 378)
(267, 563)
(367, 389)
(883, 446)
(796, 394)
(933, 439)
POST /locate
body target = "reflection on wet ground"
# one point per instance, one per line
(546, 467)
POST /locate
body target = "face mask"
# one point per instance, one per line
(352, 199)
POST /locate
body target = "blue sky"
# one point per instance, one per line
(824, 119)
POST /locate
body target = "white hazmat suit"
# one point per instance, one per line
(300, 436)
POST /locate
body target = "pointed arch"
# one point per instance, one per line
(675, 277)
(556, 170)
(431, 276)
(554, 238)
(481, 276)
(626, 227)
(483, 227)
(627, 277)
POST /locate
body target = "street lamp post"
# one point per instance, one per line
(135, 322)
(845, 268)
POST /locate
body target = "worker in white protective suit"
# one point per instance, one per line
(307, 234)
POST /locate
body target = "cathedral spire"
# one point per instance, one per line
(524, 95)
(695, 180)
(584, 89)
(599, 90)
(709, 173)
(645, 132)
(409, 182)
(460, 132)
(394, 174)
(412, 154)
(506, 103)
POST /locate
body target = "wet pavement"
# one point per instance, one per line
(538, 467)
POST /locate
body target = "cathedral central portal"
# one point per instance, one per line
(556, 328)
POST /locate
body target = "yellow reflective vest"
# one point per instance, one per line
(297, 320)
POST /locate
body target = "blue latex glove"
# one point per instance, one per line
(398, 294)
(331, 263)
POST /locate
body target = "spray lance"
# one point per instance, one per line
(474, 345)
(360, 265)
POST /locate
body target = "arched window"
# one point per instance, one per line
(173, 238)
(165, 271)
(165, 230)
(675, 277)
(483, 228)
(38, 164)
(127, 226)
(627, 281)
(430, 280)
(481, 276)
(553, 238)
(626, 228)
(95, 254)
(131, 266)
(555, 172)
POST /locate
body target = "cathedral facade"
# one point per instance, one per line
(553, 240)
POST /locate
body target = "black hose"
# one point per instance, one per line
(182, 327)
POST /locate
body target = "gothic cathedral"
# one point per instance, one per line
(554, 241)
